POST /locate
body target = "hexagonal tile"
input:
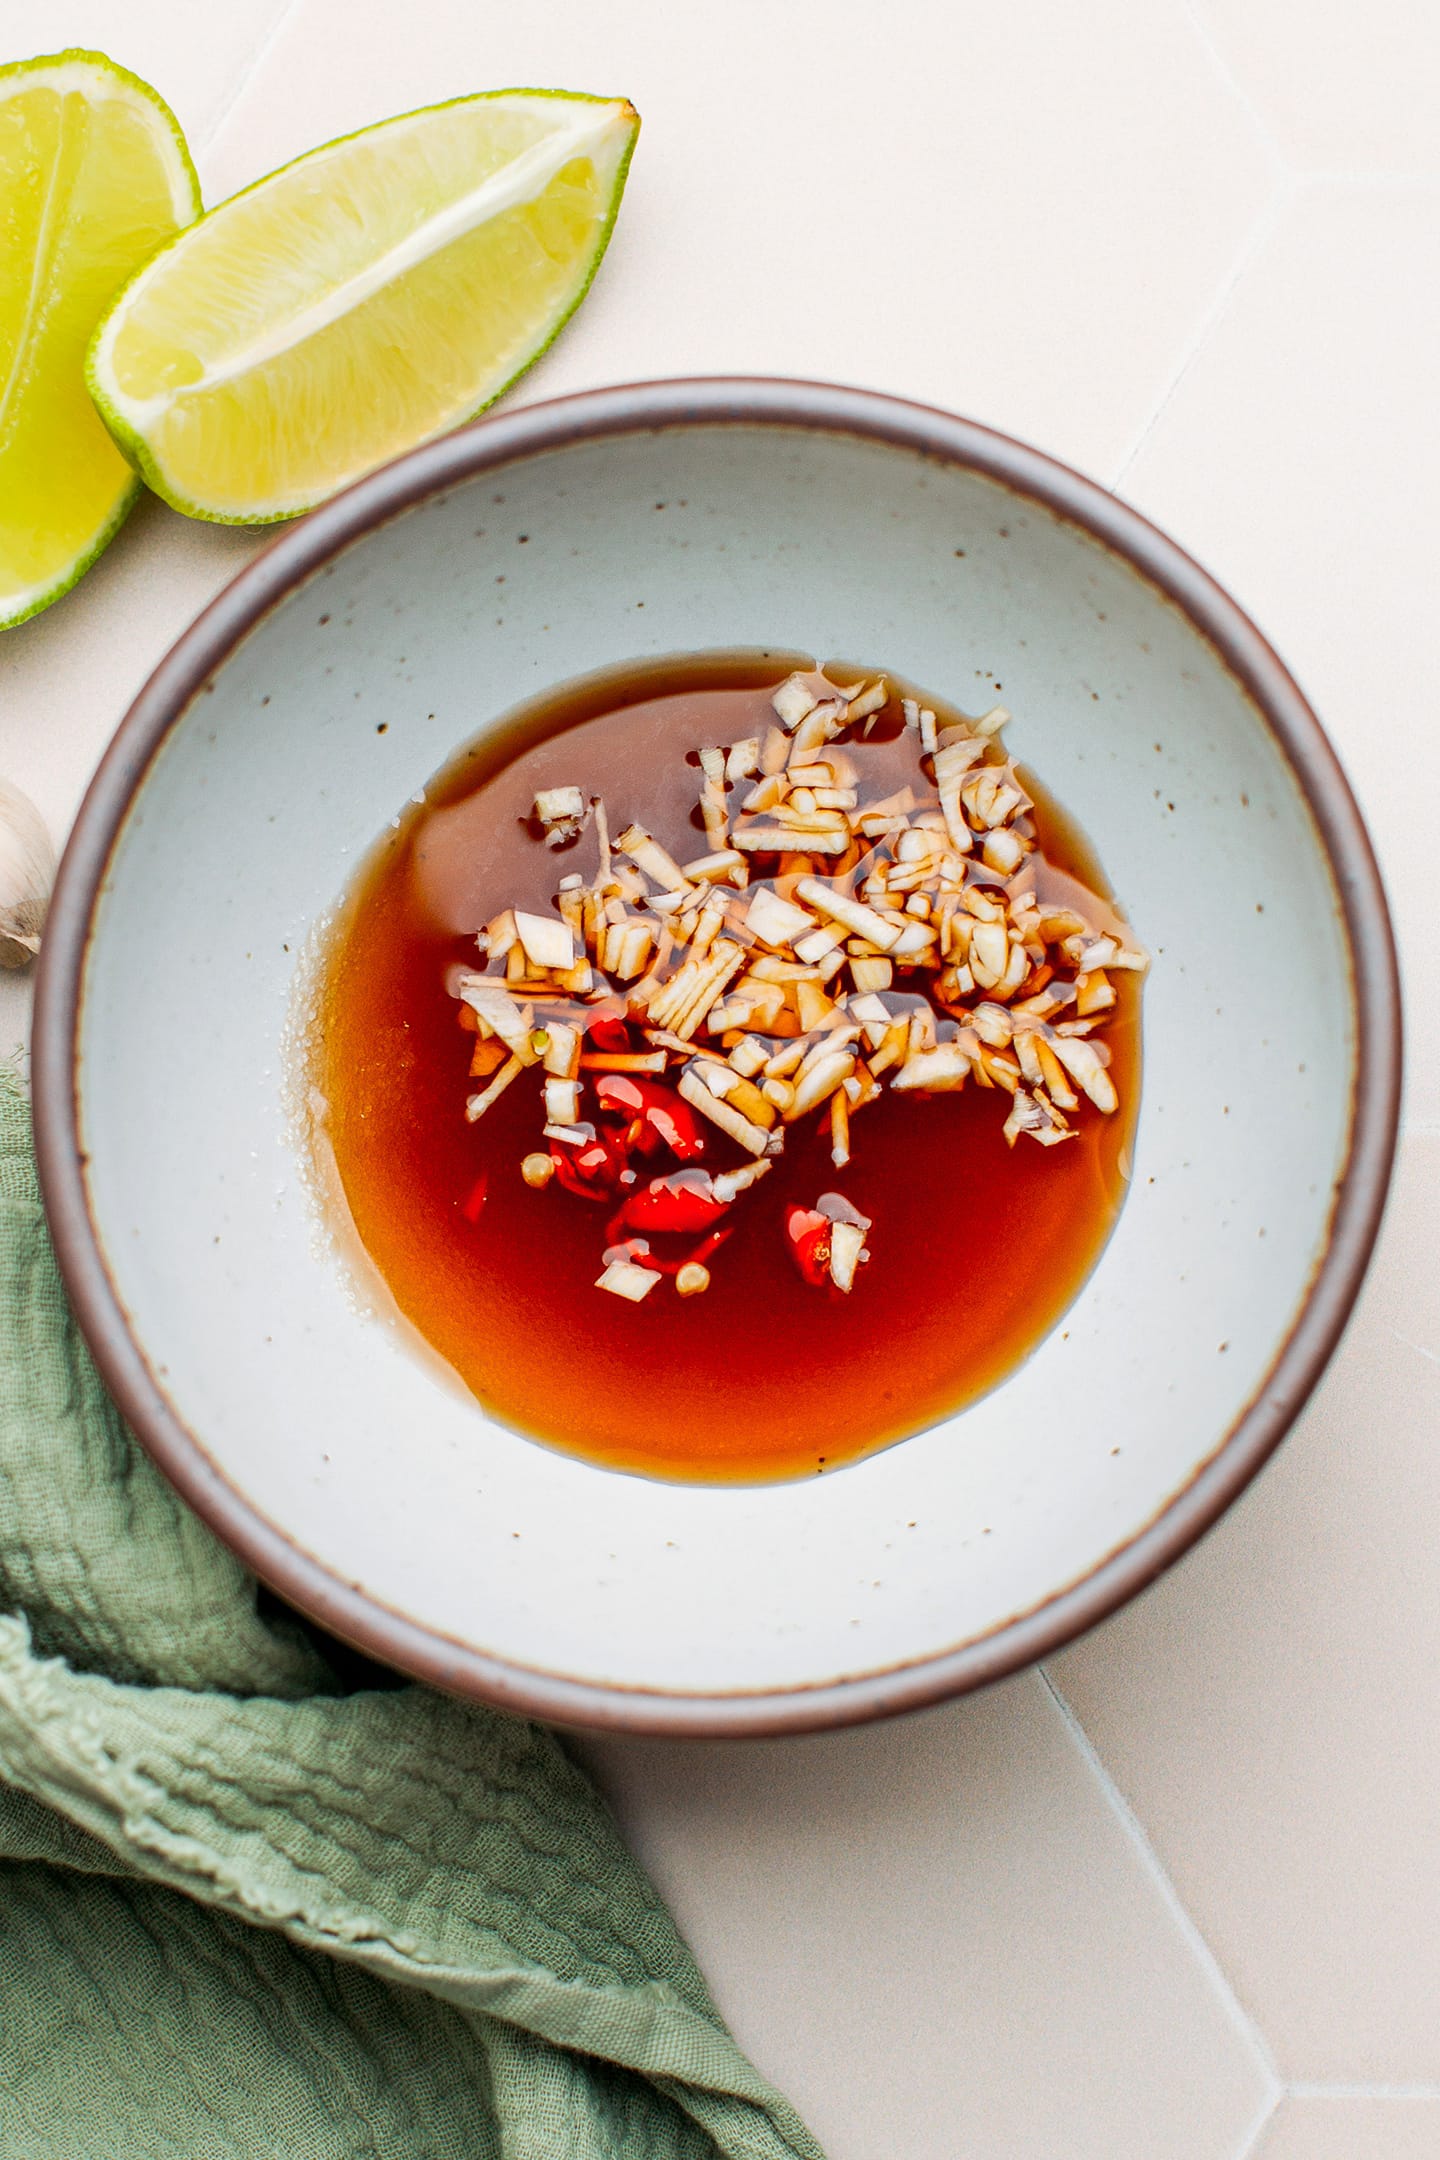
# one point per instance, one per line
(1300, 460)
(938, 1936)
(1344, 88)
(1358, 2127)
(1271, 1709)
(1023, 213)
(197, 76)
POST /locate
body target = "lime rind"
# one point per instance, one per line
(36, 602)
(131, 442)
(76, 58)
(72, 65)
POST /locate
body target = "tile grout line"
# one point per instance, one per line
(1307, 2090)
(1254, 2137)
(260, 55)
(1289, 186)
(1170, 1898)
(1267, 221)
(1361, 176)
(1199, 23)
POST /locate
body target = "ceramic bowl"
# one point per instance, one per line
(250, 778)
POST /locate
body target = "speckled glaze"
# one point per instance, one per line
(252, 775)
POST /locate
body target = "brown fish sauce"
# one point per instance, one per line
(976, 1248)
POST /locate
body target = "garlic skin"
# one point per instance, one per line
(27, 871)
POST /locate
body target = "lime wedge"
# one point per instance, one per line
(376, 292)
(94, 175)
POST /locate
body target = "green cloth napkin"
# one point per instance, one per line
(245, 1911)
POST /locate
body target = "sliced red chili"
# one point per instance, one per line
(654, 1115)
(680, 1203)
(593, 1170)
(607, 1032)
(807, 1233)
(672, 1120)
(619, 1094)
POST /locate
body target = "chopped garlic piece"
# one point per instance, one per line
(775, 921)
(993, 1024)
(869, 700)
(853, 913)
(793, 700)
(847, 1246)
(748, 1056)
(788, 840)
(1094, 992)
(1030, 1114)
(624, 1279)
(940, 1071)
(1004, 851)
(840, 1125)
(501, 1015)
(821, 1081)
(868, 975)
(717, 868)
(1052, 1075)
(989, 953)
(631, 1061)
(547, 941)
(765, 794)
(730, 1183)
(553, 804)
(563, 813)
(477, 1105)
(754, 1138)
(818, 944)
(648, 855)
(1086, 1068)
(562, 1050)
(498, 936)
(562, 1102)
(815, 730)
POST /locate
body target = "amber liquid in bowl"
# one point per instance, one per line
(977, 1248)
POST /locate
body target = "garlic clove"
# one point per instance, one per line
(27, 871)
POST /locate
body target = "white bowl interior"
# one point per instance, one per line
(274, 784)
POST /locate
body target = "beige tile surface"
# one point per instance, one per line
(1316, 2128)
(1024, 211)
(940, 1938)
(1345, 88)
(1300, 460)
(198, 60)
(1272, 1708)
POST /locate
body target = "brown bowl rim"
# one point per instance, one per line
(347, 1610)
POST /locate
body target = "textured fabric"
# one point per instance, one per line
(246, 1911)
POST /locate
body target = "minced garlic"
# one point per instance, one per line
(898, 941)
